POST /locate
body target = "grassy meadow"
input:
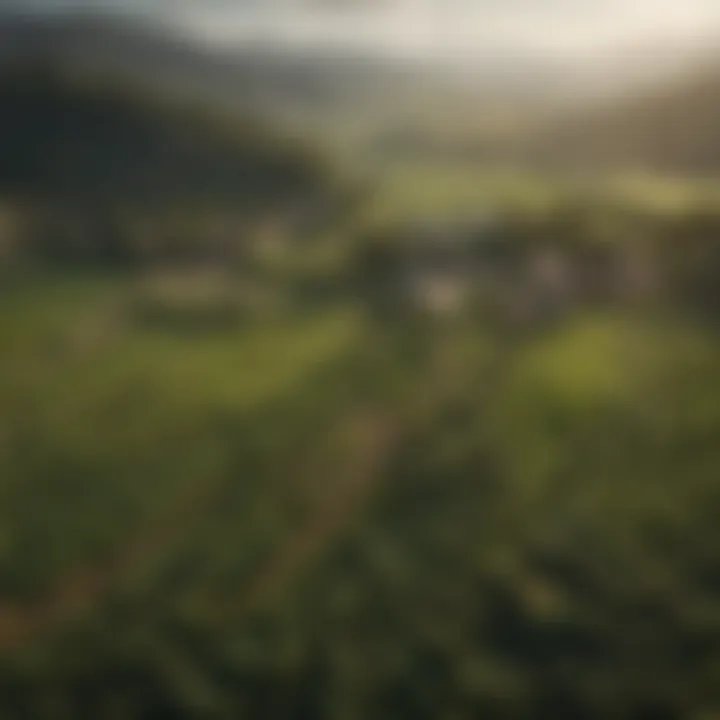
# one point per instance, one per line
(316, 511)
(245, 473)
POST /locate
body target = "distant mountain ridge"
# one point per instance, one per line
(254, 78)
(274, 78)
(629, 124)
(673, 128)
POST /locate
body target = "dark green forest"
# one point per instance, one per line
(100, 172)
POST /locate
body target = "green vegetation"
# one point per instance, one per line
(94, 173)
(245, 474)
(324, 513)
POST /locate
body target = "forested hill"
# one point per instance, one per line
(81, 155)
(670, 129)
(82, 139)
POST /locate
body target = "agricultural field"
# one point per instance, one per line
(300, 437)
(322, 512)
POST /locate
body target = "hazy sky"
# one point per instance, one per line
(463, 27)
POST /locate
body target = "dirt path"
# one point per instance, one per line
(350, 478)
(359, 448)
(89, 586)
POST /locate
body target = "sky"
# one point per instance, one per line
(466, 28)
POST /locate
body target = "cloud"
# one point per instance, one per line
(464, 27)
(455, 26)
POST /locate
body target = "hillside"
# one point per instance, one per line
(337, 94)
(64, 135)
(263, 79)
(144, 53)
(669, 129)
(80, 156)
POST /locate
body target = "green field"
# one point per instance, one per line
(250, 467)
(324, 515)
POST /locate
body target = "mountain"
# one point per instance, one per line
(252, 77)
(60, 134)
(335, 86)
(151, 55)
(671, 128)
(601, 111)
(88, 162)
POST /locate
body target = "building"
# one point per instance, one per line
(448, 264)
